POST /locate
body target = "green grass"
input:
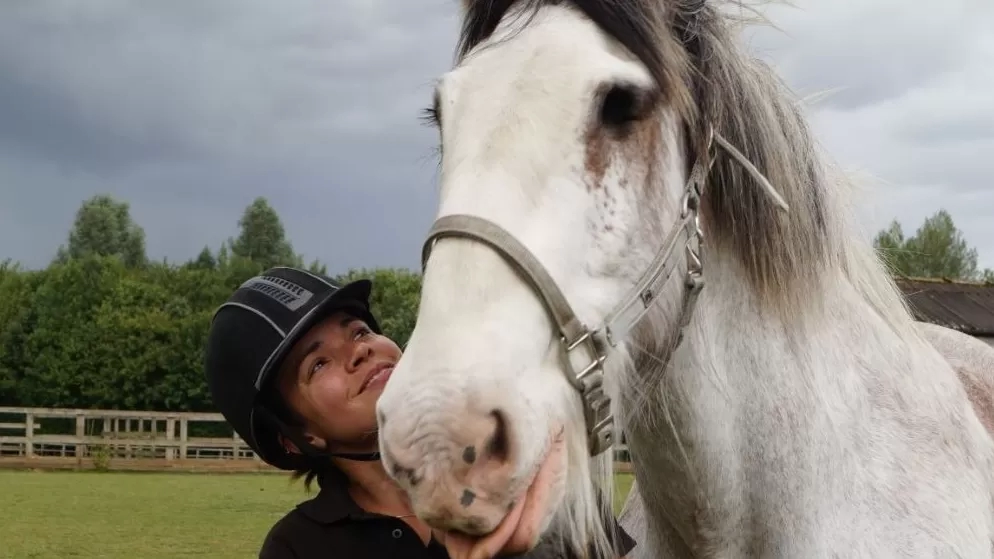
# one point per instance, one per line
(143, 515)
(622, 485)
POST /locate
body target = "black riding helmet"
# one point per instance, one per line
(250, 336)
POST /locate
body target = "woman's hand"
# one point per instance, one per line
(505, 540)
(518, 532)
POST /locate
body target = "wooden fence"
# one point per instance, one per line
(50, 438)
(115, 439)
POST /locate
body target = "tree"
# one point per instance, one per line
(103, 227)
(16, 321)
(262, 238)
(93, 330)
(64, 353)
(394, 301)
(317, 267)
(937, 249)
(204, 261)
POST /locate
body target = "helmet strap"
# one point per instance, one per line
(309, 450)
(357, 456)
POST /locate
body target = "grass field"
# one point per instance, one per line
(56, 515)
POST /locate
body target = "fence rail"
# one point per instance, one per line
(133, 440)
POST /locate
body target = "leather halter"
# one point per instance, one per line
(573, 334)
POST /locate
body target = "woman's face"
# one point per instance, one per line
(333, 377)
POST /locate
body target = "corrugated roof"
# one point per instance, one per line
(964, 306)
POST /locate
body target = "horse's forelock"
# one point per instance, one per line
(638, 25)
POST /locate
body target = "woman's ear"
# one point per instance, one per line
(316, 442)
(288, 445)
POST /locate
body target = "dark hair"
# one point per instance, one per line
(323, 472)
(311, 467)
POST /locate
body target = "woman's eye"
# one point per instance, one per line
(317, 366)
(362, 332)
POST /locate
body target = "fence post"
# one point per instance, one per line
(127, 434)
(183, 430)
(80, 433)
(170, 437)
(29, 435)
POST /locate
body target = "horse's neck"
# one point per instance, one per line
(747, 392)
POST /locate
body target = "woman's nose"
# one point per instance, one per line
(361, 354)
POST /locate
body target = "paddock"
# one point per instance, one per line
(152, 515)
(120, 484)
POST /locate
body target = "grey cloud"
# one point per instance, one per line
(913, 110)
(965, 168)
(261, 80)
(44, 121)
(955, 130)
(865, 52)
(188, 110)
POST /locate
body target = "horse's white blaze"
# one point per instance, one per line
(803, 415)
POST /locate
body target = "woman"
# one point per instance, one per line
(296, 365)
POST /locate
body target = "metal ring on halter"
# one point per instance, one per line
(685, 204)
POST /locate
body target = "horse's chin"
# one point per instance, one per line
(534, 508)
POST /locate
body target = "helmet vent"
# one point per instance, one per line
(289, 294)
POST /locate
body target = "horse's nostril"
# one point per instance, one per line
(499, 444)
(469, 454)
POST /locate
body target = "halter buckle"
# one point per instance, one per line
(589, 382)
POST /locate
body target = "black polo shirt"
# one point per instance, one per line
(332, 525)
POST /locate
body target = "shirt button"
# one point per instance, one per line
(397, 533)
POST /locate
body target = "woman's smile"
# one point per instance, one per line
(377, 377)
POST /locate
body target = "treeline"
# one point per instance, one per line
(104, 327)
(938, 249)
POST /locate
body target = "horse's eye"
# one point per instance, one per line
(621, 105)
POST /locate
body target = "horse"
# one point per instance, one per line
(637, 232)
(972, 360)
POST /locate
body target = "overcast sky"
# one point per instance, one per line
(189, 110)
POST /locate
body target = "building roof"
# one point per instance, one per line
(959, 305)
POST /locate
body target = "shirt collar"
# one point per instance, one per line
(333, 503)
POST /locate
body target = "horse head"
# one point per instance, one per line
(576, 138)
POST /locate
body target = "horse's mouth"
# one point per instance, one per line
(527, 515)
